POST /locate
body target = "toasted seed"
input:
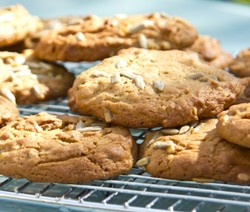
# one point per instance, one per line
(80, 125)
(197, 128)
(203, 180)
(116, 78)
(138, 27)
(100, 74)
(163, 144)
(143, 161)
(184, 129)
(108, 115)
(193, 124)
(121, 63)
(152, 138)
(37, 91)
(196, 76)
(159, 85)
(170, 131)
(243, 177)
(139, 82)
(32, 64)
(8, 94)
(143, 41)
(86, 129)
(128, 74)
(80, 36)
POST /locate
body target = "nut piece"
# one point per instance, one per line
(8, 94)
(170, 131)
(139, 82)
(159, 85)
(143, 41)
(143, 161)
(80, 36)
(108, 115)
(243, 177)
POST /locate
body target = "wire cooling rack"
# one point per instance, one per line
(135, 191)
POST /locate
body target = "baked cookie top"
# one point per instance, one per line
(234, 124)
(52, 24)
(211, 52)
(197, 153)
(241, 64)
(8, 111)
(24, 79)
(98, 38)
(16, 24)
(244, 97)
(149, 88)
(65, 149)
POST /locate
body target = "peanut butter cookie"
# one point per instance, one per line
(149, 88)
(234, 124)
(98, 38)
(194, 153)
(64, 149)
(16, 24)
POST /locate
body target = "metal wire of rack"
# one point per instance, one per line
(135, 191)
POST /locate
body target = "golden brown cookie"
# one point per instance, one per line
(241, 64)
(24, 79)
(64, 149)
(8, 111)
(98, 38)
(16, 24)
(52, 24)
(149, 88)
(211, 52)
(244, 97)
(234, 124)
(195, 153)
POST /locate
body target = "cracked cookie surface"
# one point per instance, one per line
(64, 149)
(97, 38)
(199, 154)
(149, 88)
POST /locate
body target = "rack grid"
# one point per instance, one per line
(135, 191)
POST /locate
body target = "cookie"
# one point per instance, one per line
(52, 24)
(234, 124)
(8, 111)
(244, 97)
(199, 154)
(240, 66)
(211, 52)
(16, 24)
(24, 79)
(149, 88)
(64, 149)
(98, 38)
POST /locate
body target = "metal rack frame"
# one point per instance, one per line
(135, 191)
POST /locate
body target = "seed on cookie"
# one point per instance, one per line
(171, 149)
(139, 82)
(152, 138)
(243, 176)
(127, 73)
(163, 144)
(184, 129)
(100, 74)
(116, 78)
(38, 92)
(170, 131)
(159, 85)
(196, 76)
(8, 94)
(45, 65)
(80, 36)
(143, 161)
(92, 128)
(108, 115)
(138, 27)
(80, 125)
(121, 63)
(143, 41)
